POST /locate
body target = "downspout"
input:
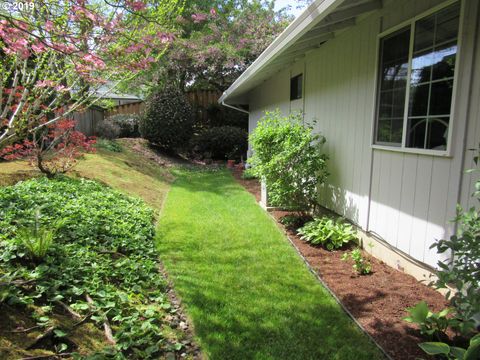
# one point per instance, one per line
(234, 107)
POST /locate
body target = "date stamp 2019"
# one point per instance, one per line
(13, 6)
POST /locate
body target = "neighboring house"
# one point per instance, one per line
(116, 98)
(395, 88)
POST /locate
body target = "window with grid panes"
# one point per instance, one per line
(417, 67)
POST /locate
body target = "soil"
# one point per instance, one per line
(377, 301)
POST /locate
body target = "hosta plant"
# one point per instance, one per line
(452, 352)
(328, 232)
(431, 324)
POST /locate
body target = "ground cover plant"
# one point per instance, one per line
(89, 256)
(249, 294)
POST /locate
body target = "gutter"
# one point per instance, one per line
(315, 12)
(233, 107)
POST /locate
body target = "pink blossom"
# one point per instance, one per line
(213, 12)
(38, 48)
(48, 25)
(198, 18)
(45, 83)
(164, 38)
(61, 88)
(136, 5)
(94, 60)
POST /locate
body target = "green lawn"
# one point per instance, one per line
(248, 293)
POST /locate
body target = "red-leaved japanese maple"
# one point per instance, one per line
(53, 149)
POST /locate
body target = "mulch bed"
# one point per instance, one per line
(377, 301)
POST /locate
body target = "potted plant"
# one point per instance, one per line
(231, 158)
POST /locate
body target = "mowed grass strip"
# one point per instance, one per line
(247, 291)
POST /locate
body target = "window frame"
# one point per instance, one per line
(295, 77)
(411, 23)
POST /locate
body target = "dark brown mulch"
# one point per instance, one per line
(377, 301)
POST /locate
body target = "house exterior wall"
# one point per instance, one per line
(403, 198)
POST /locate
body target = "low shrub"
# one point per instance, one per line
(110, 145)
(219, 115)
(330, 233)
(433, 325)
(294, 221)
(462, 273)
(127, 123)
(288, 156)
(107, 129)
(103, 252)
(361, 265)
(248, 174)
(462, 270)
(222, 142)
(168, 119)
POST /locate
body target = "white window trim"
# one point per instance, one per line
(402, 148)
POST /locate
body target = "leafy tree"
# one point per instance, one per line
(217, 41)
(55, 55)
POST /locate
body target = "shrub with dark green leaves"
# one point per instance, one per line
(288, 156)
(110, 145)
(219, 115)
(127, 123)
(103, 249)
(167, 120)
(221, 142)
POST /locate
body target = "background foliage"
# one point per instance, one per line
(221, 142)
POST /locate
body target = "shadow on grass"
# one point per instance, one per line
(248, 293)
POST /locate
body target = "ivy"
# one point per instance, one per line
(103, 250)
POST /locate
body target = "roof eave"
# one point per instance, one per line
(314, 13)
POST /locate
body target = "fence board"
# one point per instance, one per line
(131, 108)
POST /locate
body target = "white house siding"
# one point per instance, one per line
(406, 199)
(272, 94)
(473, 129)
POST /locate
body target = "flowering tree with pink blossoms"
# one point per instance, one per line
(54, 56)
(216, 41)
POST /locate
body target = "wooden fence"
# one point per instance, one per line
(132, 108)
(203, 98)
(88, 120)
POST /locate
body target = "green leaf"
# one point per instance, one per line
(457, 353)
(473, 351)
(62, 347)
(435, 348)
(419, 312)
(59, 333)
